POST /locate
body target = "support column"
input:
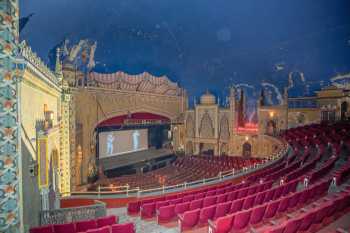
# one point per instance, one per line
(9, 122)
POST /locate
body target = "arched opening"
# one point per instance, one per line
(247, 150)
(224, 149)
(189, 148)
(206, 149)
(271, 127)
(344, 110)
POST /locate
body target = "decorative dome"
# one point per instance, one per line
(208, 98)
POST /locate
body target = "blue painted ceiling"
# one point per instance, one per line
(200, 43)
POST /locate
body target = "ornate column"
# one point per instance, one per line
(9, 122)
(79, 158)
(65, 159)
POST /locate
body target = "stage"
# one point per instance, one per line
(119, 164)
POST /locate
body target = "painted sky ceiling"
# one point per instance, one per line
(200, 43)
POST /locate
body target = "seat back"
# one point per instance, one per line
(207, 213)
(248, 202)
(236, 205)
(293, 225)
(259, 198)
(190, 218)
(224, 224)
(64, 228)
(272, 209)
(182, 207)
(196, 204)
(42, 229)
(208, 201)
(107, 221)
(222, 209)
(257, 214)
(82, 226)
(241, 219)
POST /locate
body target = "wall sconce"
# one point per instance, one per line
(271, 114)
(246, 138)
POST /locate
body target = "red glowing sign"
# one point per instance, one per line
(248, 128)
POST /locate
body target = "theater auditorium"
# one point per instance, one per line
(127, 117)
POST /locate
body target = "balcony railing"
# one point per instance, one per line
(65, 215)
(125, 191)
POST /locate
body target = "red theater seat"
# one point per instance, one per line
(148, 210)
(222, 209)
(105, 229)
(196, 204)
(43, 229)
(188, 219)
(134, 207)
(166, 213)
(241, 221)
(82, 226)
(64, 228)
(181, 208)
(257, 214)
(206, 213)
(222, 224)
(107, 221)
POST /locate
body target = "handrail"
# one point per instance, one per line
(64, 215)
(27, 137)
(224, 175)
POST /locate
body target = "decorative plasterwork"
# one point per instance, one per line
(33, 58)
(143, 82)
(9, 122)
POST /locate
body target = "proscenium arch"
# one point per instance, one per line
(125, 112)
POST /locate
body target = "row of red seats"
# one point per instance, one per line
(115, 228)
(222, 203)
(149, 209)
(184, 169)
(312, 220)
(75, 227)
(238, 223)
(242, 220)
(190, 219)
(134, 207)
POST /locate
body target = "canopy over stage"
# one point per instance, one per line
(131, 162)
(133, 158)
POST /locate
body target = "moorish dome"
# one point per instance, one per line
(208, 99)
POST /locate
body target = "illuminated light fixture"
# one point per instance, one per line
(246, 138)
(271, 114)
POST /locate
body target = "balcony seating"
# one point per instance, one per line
(184, 169)
(79, 226)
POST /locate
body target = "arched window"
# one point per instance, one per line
(206, 129)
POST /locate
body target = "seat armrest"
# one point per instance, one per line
(273, 222)
(304, 209)
(289, 215)
(212, 224)
(341, 230)
(181, 217)
(315, 204)
(253, 230)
